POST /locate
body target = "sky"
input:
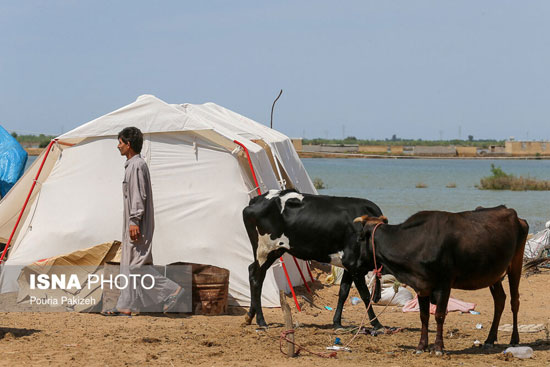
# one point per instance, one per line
(440, 69)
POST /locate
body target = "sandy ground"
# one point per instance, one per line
(91, 339)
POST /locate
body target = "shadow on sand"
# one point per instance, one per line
(7, 333)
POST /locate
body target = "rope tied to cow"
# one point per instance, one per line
(283, 338)
(377, 271)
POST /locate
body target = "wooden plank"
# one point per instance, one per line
(288, 324)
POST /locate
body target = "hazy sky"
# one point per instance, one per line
(370, 69)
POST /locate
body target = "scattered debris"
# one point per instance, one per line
(453, 305)
(373, 332)
(520, 352)
(530, 328)
(479, 326)
(305, 298)
(338, 348)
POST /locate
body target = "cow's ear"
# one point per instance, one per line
(365, 219)
(362, 219)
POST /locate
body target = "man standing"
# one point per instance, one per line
(137, 233)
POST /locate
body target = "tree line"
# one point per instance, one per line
(471, 142)
(42, 140)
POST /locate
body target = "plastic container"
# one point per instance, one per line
(520, 352)
(355, 300)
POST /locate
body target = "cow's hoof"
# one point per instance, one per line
(247, 319)
(488, 345)
(261, 328)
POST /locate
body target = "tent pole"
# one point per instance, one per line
(302, 274)
(27, 200)
(251, 167)
(309, 271)
(259, 193)
(290, 284)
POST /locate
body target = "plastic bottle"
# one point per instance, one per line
(520, 352)
(355, 300)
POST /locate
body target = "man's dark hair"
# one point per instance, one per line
(133, 136)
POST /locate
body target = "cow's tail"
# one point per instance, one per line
(522, 235)
(249, 220)
(516, 264)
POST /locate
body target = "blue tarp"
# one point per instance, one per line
(12, 161)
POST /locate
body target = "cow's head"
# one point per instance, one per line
(368, 224)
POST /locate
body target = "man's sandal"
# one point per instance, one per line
(171, 301)
(115, 312)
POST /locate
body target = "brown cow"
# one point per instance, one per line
(436, 251)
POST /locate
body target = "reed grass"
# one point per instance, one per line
(319, 184)
(500, 180)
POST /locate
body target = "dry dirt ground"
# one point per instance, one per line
(92, 339)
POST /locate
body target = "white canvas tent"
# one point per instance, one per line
(201, 178)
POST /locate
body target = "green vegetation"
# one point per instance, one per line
(500, 180)
(480, 143)
(41, 140)
(318, 183)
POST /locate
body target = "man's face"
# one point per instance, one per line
(123, 147)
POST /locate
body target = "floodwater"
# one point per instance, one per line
(30, 160)
(391, 184)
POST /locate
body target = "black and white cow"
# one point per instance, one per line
(309, 227)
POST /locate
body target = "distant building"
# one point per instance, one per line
(374, 149)
(466, 151)
(438, 151)
(297, 142)
(331, 148)
(527, 148)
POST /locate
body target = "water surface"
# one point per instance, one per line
(391, 183)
